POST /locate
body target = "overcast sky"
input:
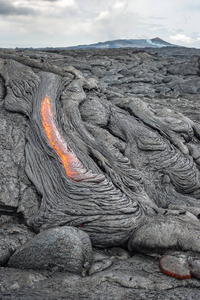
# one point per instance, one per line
(57, 23)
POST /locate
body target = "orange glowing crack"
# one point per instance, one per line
(73, 167)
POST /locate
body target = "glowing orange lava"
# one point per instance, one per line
(174, 275)
(74, 168)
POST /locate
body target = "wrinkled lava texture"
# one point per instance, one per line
(100, 168)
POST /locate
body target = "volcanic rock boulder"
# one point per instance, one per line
(12, 236)
(61, 248)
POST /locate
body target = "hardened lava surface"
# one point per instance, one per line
(103, 144)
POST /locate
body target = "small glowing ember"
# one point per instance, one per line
(74, 168)
(172, 266)
(175, 275)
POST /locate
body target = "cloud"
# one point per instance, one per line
(72, 22)
(157, 18)
(182, 38)
(116, 21)
(9, 8)
(39, 7)
(119, 5)
(103, 15)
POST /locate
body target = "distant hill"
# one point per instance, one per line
(122, 43)
(133, 43)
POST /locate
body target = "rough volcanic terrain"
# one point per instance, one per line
(162, 81)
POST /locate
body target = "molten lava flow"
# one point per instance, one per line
(74, 168)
